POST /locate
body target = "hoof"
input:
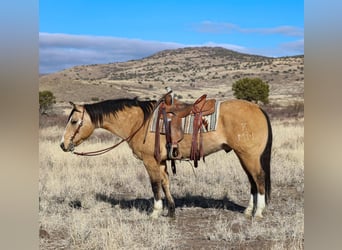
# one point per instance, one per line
(248, 216)
(258, 216)
(258, 213)
(157, 209)
(258, 219)
(155, 214)
(248, 212)
(171, 214)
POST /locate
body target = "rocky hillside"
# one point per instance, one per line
(189, 71)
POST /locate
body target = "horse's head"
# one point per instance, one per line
(78, 128)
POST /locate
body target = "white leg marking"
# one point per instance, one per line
(260, 205)
(248, 211)
(158, 205)
(157, 208)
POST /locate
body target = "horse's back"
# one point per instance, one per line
(241, 110)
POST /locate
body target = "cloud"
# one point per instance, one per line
(214, 27)
(234, 47)
(60, 51)
(295, 46)
(280, 30)
(222, 28)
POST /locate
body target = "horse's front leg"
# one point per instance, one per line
(158, 203)
(159, 177)
(166, 188)
(153, 170)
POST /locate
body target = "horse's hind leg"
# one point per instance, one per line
(250, 208)
(256, 176)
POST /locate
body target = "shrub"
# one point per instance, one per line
(46, 101)
(251, 89)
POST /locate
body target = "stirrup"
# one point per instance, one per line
(174, 153)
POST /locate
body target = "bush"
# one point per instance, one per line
(46, 101)
(251, 89)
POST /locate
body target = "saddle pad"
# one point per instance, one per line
(187, 122)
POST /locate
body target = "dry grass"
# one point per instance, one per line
(103, 202)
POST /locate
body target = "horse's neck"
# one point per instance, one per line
(124, 123)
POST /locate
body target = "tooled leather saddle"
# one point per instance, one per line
(171, 111)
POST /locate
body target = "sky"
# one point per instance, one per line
(82, 32)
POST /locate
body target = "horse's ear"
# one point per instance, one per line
(76, 107)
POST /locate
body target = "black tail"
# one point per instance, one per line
(265, 160)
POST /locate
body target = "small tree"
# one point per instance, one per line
(46, 100)
(251, 89)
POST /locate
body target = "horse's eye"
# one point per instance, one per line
(73, 122)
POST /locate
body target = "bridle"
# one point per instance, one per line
(80, 123)
(101, 151)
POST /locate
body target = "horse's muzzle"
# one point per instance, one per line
(70, 148)
(62, 147)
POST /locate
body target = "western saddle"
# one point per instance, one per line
(171, 111)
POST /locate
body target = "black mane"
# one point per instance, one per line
(98, 110)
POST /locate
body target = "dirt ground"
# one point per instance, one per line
(206, 223)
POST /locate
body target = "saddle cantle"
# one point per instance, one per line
(172, 113)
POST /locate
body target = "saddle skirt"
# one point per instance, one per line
(210, 122)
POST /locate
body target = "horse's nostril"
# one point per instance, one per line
(62, 146)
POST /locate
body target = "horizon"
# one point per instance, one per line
(299, 55)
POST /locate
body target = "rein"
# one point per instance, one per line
(105, 150)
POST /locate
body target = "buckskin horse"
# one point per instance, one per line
(241, 126)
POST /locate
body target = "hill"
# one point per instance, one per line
(189, 71)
